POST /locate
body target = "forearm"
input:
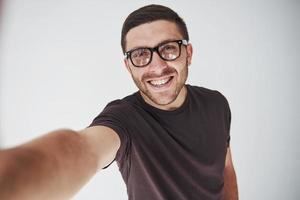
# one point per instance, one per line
(230, 185)
(54, 166)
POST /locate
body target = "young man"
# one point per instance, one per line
(170, 140)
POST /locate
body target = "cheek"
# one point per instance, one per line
(137, 74)
(179, 65)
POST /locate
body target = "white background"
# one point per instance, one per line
(61, 63)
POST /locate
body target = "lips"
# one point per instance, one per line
(158, 83)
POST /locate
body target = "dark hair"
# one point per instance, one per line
(152, 13)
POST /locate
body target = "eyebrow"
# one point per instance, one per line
(160, 43)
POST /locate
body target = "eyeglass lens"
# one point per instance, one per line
(142, 56)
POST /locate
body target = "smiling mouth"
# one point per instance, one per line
(160, 82)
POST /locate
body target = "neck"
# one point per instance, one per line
(171, 106)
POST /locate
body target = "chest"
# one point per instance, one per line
(191, 136)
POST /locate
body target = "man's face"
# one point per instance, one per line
(161, 82)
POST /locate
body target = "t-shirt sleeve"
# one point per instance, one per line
(227, 115)
(113, 116)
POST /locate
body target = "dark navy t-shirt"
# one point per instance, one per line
(171, 155)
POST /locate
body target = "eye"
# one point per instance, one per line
(169, 47)
(140, 53)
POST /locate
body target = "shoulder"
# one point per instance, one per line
(208, 98)
(116, 115)
(121, 106)
(205, 93)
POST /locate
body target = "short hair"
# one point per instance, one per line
(149, 14)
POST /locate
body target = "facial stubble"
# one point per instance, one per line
(167, 71)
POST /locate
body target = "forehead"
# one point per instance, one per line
(151, 34)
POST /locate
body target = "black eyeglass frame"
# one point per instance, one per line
(155, 49)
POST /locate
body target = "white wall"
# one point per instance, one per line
(61, 63)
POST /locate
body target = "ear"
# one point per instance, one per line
(127, 65)
(189, 50)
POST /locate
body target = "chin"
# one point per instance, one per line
(163, 102)
(161, 99)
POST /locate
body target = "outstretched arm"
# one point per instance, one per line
(56, 165)
(230, 182)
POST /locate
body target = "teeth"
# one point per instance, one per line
(159, 82)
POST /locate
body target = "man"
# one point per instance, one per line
(170, 140)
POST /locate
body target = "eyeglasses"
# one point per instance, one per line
(168, 51)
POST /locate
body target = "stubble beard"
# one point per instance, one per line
(171, 96)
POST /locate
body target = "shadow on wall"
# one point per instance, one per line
(1, 18)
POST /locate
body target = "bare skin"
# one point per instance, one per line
(230, 182)
(149, 35)
(58, 164)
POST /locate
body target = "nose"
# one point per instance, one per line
(157, 62)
